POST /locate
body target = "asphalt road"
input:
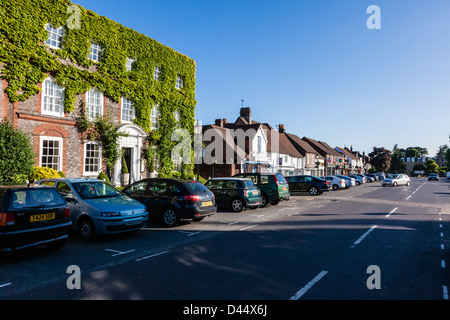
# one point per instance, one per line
(330, 247)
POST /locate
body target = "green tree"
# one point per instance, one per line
(380, 158)
(397, 164)
(447, 157)
(432, 166)
(16, 154)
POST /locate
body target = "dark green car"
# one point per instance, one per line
(235, 193)
(274, 187)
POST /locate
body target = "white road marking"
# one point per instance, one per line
(245, 228)
(408, 198)
(442, 263)
(389, 214)
(444, 293)
(303, 290)
(5, 284)
(363, 236)
(190, 233)
(153, 255)
(118, 253)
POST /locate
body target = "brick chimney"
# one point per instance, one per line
(281, 128)
(246, 113)
(220, 122)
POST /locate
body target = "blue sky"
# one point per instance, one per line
(313, 65)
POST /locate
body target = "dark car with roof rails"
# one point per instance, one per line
(173, 200)
(274, 187)
(33, 216)
(235, 193)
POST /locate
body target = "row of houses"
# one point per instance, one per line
(267, 149)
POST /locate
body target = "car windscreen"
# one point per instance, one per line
(195, 187)
(393, 176)
(39, 197)
(94, 190)
(280, 178)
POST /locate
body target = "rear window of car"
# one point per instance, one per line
(280, 178)
(248, 183)
(26, 198)
(194, 187)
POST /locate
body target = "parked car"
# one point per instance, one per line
(33, 216)
(358, 179)
(98, 208)
(380, 175)
(274, 187)
(336, 182)
(370, 178)
(313, 185)
(433, 176)
(374, 176)
(173, 200)
(396, 180)
(349, 181)
(235, 193)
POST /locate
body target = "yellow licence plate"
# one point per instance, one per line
(42, 217)
(206, 203)
(284, 189)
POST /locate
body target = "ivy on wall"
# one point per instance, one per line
(26, 61)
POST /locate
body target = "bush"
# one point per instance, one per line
(103, 176)
(39, 173)
(61, 174)
(16, 154)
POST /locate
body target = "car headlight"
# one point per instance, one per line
(110, 214)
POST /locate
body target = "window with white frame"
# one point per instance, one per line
(55, 36)
(179, 83)
(95, 52)
(52, 98)
(94, 103)
(154, 117)
(51, 150)
(129, 64)
(157, 73)
(92, 158)
(128, 113)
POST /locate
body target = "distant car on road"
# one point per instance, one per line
(313, 185)
(33, 216)
(235, 193)
(396, 180)
(433, 176)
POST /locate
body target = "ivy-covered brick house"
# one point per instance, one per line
(88, 89)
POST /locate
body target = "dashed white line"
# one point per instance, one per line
(118, 253)
(408, 198)
(442, 263)
(151, 256)
(444, 293)
(389, 214)
(5, 284)
(245, 228)
(303, 290)
(363, 236)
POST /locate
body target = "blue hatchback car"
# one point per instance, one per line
(96, 207)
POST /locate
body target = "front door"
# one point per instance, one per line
(127, 154)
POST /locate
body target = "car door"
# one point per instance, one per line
(216, 186)
(156, 196)
(76, 207)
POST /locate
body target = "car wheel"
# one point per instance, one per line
(313, 191)
(55, 245)
(86, 229)
(335, 187)
(408, 183)
(275, 202)
(264, 201)
(170, 217)
(358, 183)
(237, 205)
(394, 184)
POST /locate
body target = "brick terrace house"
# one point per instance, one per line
(55, 138)
(334, 161)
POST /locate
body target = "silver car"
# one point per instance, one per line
(96, 207)
(396, 180)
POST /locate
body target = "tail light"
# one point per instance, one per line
(276, 180)
(327, 182)
(246, 193)
(7, 219)
(66, 212)
(191, 197)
